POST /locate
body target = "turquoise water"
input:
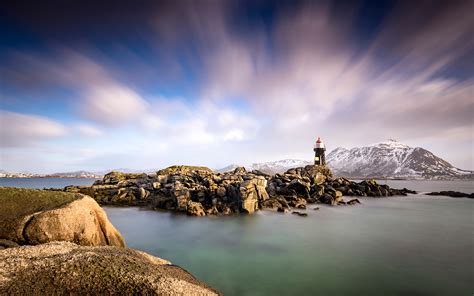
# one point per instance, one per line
(393, 246)
(415, 245)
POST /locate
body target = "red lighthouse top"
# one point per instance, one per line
(319, 144)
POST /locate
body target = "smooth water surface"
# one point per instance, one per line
(430, 186)
(391, 246)
(40, 183)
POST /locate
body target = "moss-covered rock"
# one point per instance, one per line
(183, 169)
(30, 217)
(18, 202)
(63, 268)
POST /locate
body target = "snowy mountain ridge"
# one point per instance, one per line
(271, 167)
(391, 159)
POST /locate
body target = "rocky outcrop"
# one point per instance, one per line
(31, 217)
(452, 194)
(63, 268)
(198, 191)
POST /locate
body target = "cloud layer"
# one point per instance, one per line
(216, 83)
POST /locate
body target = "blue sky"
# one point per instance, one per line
(146, 85)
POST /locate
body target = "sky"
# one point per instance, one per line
(98, 85)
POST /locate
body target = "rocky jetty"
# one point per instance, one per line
(64, 268)
(452, 194)
(31, 217)
(199, 191)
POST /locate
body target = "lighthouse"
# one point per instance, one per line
(319, 157)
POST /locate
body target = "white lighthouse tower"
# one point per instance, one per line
(319, 152)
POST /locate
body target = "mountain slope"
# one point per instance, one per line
(271, 167)
(392, 159)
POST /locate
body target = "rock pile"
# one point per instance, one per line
(199, 191)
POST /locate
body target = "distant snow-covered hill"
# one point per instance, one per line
(392, 159)
(271, 167)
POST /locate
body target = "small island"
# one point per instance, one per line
(199, 191)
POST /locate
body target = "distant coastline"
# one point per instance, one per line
(34, 176)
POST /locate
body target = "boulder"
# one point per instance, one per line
(180, 196)
(212, 211)
(240, 170)
(248, 197)
(353, 201)
(195, 209)
(299, 203)
(299, 187)
(64, 268)
(116, 177)
(30, 217)
(319, 179)
(450, 193)
(300, 214)
(184, 169)
(271, 203)
(331, 199)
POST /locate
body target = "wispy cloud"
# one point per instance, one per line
(19, 130)
(256, 90)
(88, 130)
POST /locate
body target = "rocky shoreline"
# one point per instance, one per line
(198, 191)
(65, 268)
(56, 243)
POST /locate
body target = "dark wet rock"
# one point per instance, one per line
(316, 208)
(353, 201)
(299, 187)
(272, 203)
(299, 214)
(240, 170)
(298, 202)
(452, 194)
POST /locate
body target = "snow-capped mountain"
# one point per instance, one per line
(391, 159)
(77, 174)
(271, 167)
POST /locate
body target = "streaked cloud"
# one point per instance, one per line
(19, 130)
(209, 83)
(88, 130)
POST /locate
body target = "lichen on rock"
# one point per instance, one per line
(39, 216)
(63, 268)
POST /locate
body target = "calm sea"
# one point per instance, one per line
(415, 245)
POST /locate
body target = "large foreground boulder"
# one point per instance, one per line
(31, 217)
(63, 268)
